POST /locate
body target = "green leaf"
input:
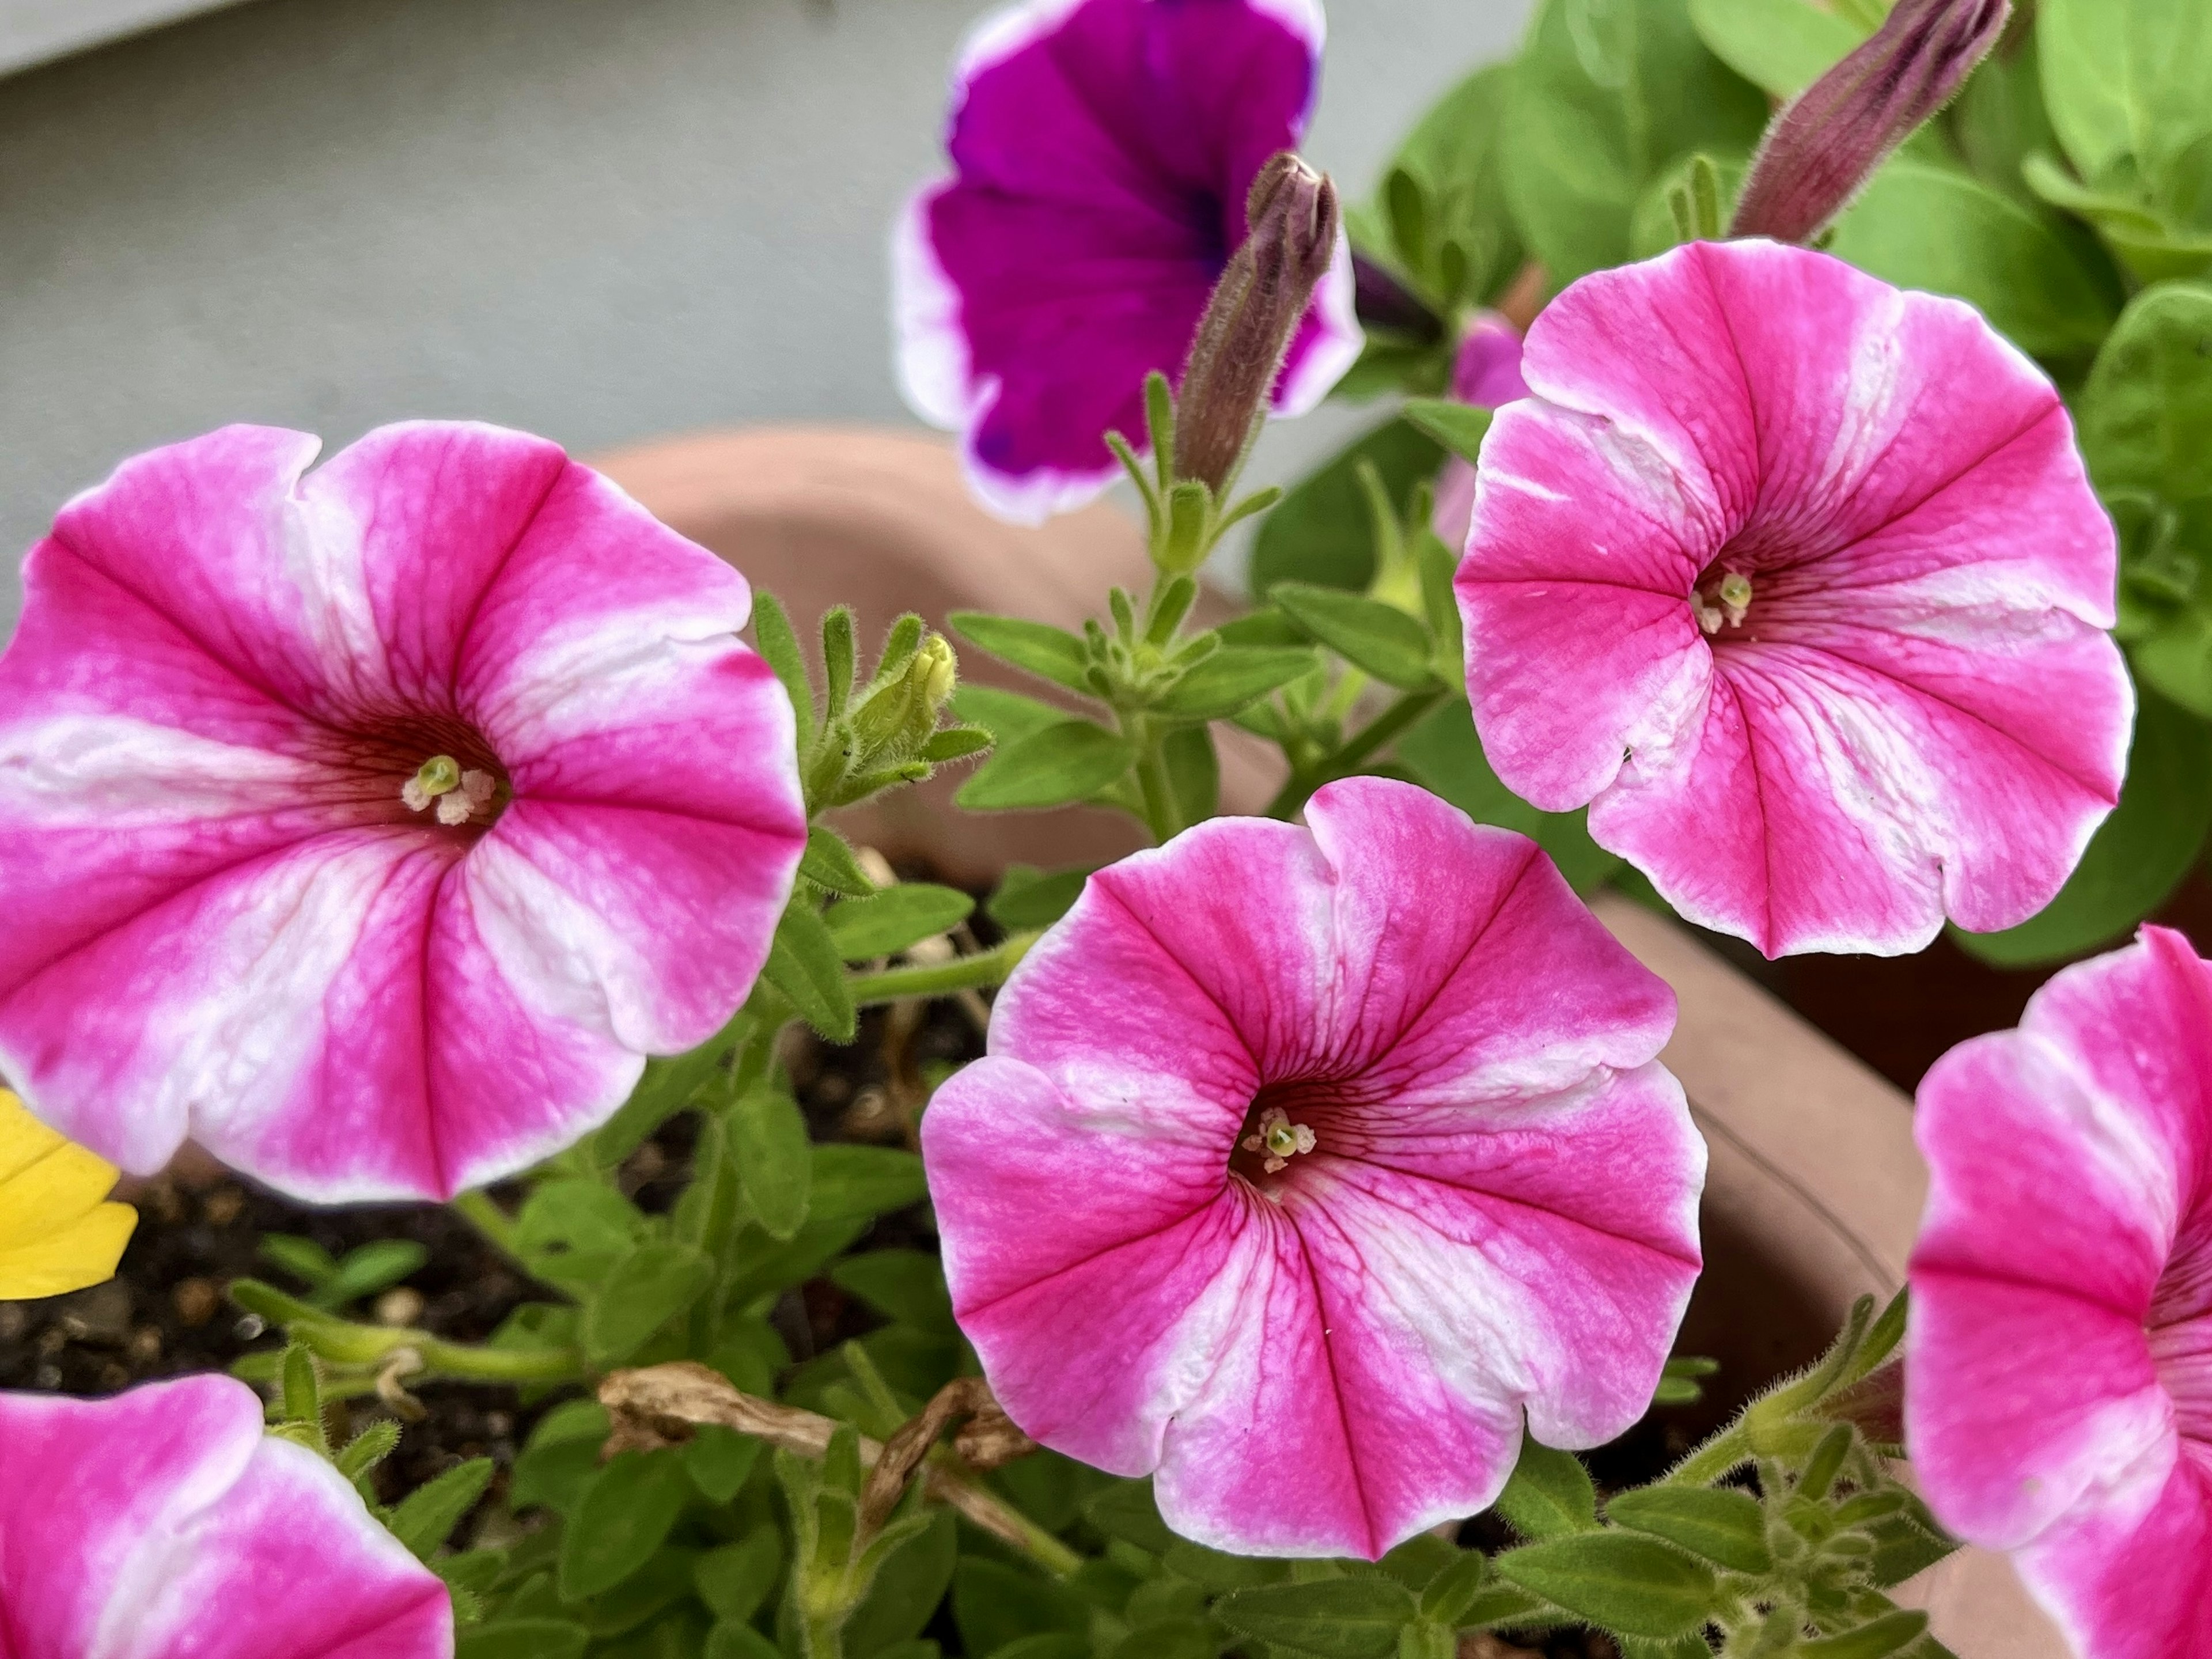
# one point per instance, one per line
(2147, 410)
(621, 1521)
(305, 1259)
(851, 1182)
(1323, 531)
(1047, 1644)
(667, 1087)
(908, 1588)
(426, 1515)
(2138, 855)
(889, 921)
(1447, 1596)
(2042, 285)
(1070, 761)
(1723, 1525)
(734, 1581)
(718, 1460)
(735, 1641)
(1008, 716)
(1394, 647)
(1453, 157)
(522, 1638)
(1051, 654)
(1445, 757)
(1549, 1495)
(1226, 680)
(1459, 428)
(803, 963)
(1218, 1569)
(1892, 1633)
(562, 1459)
(767, 1138)
(1127, 1511)
(2125, 79)
(1780, 46)
(1029, 897)
(653, 1284)
(1329, 1618)
(779, 648)
(906, 1286)
(994, 1605)
(1635, 1585)
(828, 862)
(571, 1233)
(1607, 92)
(2000, 119)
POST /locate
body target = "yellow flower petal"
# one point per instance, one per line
(56, 1234)
(73, 1258)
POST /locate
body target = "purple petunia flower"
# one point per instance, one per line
(1103, 151)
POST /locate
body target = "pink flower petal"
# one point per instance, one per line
(1326, 1357)
(2058, 1394)
(1915, 714)
(227, 920)
(163, 1524)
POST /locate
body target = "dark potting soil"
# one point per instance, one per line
(165, 1313)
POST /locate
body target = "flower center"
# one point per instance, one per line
(2180, 1333)
(1269, 1139)
(1721, 600)
(457, 795)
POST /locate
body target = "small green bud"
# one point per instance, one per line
(900, 717)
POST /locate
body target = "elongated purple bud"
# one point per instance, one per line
(1255, 309)
(1824, 145)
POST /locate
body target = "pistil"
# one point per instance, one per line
(458, 794)
(1280, 1140)
(1726, 606)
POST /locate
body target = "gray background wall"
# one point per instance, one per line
(595, 219)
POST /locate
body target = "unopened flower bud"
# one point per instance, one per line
(1255, 309)
(1826, 142)
(895, 722)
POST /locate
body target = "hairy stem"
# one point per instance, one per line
(985, 968)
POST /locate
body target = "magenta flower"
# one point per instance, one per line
(164, 1524)
(1305, 1161)
(2058, 1370)
(1487, 373)
(371, 828)
(1798, 581)
(1101, 153)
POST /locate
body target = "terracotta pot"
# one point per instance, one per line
(1815, 1186)
(881, 521)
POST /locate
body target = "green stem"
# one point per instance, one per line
(501, 1365)
(1378, 734)
(1161, 817)
(478, 1210)
(1723, 1452)
(985, 968)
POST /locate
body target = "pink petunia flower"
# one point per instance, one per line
(372, 827)
(1101, 153)
(1305, 1161)
(164, 1524)
(2058, 1368)
(1798, 581)
(1487, 373)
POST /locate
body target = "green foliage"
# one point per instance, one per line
(2123, 82)
(1323, 531)
(1333, 1619)
(1780, 46)
(1550, 1494)
(1445, 756)
(1605, 95)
